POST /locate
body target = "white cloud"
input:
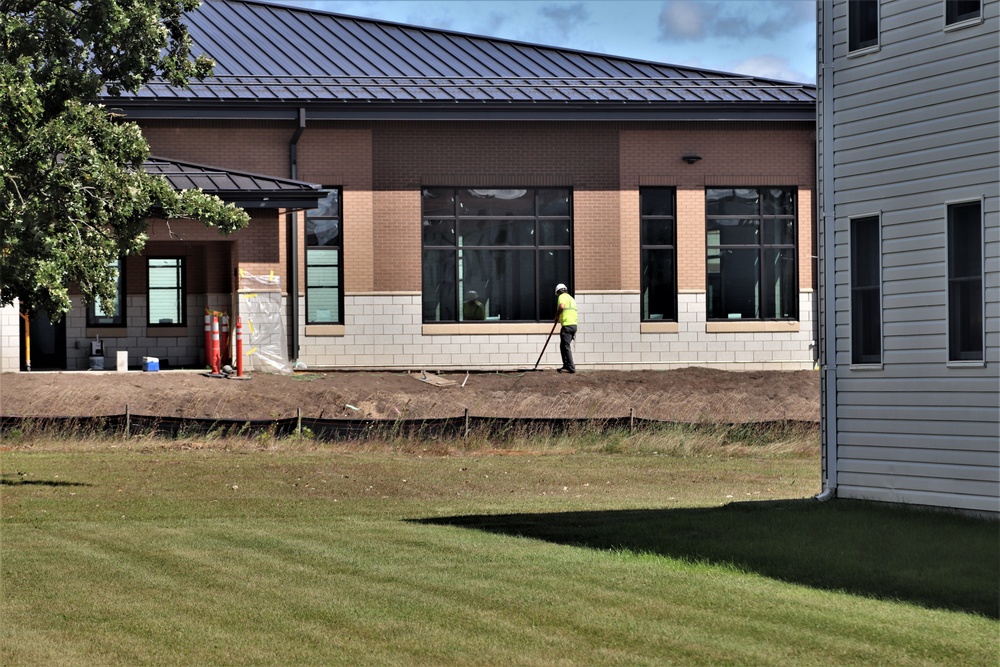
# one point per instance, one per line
(682, 20)
(697, 20)
(770, 67)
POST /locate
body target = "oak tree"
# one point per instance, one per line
(74, 197)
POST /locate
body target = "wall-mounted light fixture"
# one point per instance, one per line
(690, 158)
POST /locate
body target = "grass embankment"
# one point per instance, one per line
(619, 549)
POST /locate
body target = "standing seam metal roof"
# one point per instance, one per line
(240, 187)
(275, 53)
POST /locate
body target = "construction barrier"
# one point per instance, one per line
(128, 424)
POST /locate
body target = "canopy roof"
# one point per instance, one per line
(241, 188)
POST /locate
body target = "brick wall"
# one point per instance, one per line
(737, 154)
(407, 156)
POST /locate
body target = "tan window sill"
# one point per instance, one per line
(740, 326)
(486, 329)
(326, 330)
(658, 327)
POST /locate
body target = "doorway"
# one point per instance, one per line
(47, 343)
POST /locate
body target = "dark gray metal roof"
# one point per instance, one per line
(274, 56)
(241, 188)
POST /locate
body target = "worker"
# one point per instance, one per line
(473, 308)
(566, 316)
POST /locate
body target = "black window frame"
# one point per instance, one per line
(451, 289)
(119, 319)
(181, 269)
(866, 290)
(863, 25)
(966, 281)
(313, 251)
(761, 246)
(962, 11)
(649, 247)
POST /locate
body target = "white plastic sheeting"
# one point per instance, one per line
(265, 345)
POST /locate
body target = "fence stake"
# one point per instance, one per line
(298, 421)
(466, 435)
(128, 422)
(631, 419)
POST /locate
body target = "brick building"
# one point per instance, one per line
(677, 204)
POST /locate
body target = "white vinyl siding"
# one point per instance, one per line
(915, 128)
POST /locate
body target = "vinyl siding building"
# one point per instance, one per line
(419, 165)
(909, 200)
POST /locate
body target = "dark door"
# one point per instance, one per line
(47, 344)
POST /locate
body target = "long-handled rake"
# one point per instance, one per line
(554, 324)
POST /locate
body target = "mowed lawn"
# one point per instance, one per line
(648, 552)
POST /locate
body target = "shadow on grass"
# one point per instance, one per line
(16, 480)
(935, 559)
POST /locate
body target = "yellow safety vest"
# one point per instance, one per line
(567, 316)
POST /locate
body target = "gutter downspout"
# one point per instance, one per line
(293, 242)
(827, 252)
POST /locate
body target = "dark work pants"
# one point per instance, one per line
(566, 336)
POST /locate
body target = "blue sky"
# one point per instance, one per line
(768, 38)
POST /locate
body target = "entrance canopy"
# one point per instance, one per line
(248, 191)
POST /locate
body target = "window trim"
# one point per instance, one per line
(862, 363)
(182, 289)
(760, 248)
(536, 249)
(865, 49)
(121, 321)
(644, 246)
(972, 361)
(339, 249)
(959, 23)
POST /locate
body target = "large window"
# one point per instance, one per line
(862, 24)
(658, 236)
(324, 243)
(959, 11)
(509, 246)
(866, 291)
(97, 316)
(965, 282)
(752, 256)
(165, 291)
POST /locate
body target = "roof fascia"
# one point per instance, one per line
(790, 111)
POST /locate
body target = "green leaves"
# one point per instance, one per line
(73, 194)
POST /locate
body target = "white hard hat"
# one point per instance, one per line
(560, 288)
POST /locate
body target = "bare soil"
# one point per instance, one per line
(687, 394)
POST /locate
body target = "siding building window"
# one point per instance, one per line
(509, 246)
(866, 291)
(862, 25)
(965, 282)
(165, 291)
(658, 254)
(752, 256)
(324, 245)
(960, 11)
(97, 316)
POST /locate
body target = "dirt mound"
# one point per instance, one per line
(687, 394)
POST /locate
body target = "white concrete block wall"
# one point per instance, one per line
(187, 350)
(385, 331)
(10, 338)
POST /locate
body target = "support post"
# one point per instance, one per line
(208, 338)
